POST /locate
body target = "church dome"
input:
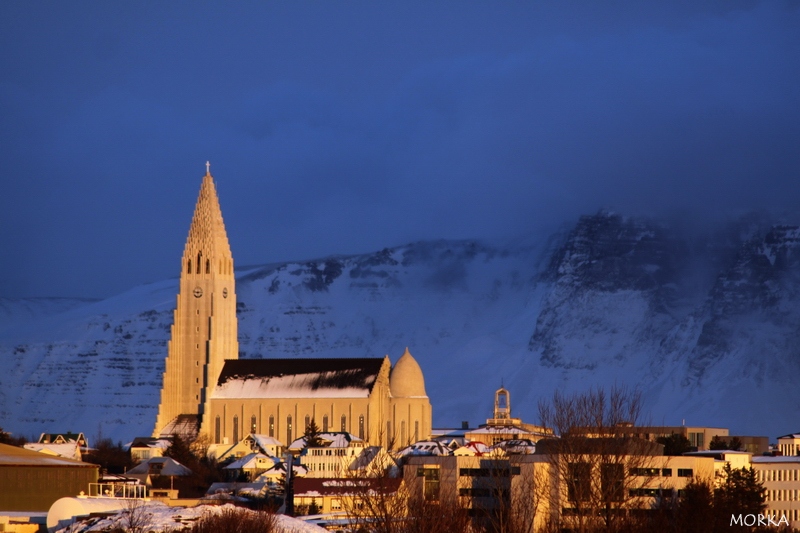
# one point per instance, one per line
(406, 379)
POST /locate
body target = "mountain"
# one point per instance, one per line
(706, 327)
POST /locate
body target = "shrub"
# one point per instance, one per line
(236, 521)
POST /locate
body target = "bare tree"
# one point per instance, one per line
(136, 517)
(599, 466)
(381, 503)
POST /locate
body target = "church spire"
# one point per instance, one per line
(207, 250)
(204, 332)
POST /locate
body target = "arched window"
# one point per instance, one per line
(289, 430)
(208, 266)
(344, 422)
(189, 267)
(235, 429)
(253, 424)
(388, 433)
(217, 427)
(416, 430)
(403, 433)
(199, 254)
(271, 426)
(325, 424)
(308, 421)
(361, 427)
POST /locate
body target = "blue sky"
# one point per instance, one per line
(345, 127)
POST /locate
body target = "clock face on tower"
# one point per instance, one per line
(198, 292)
(225, 292)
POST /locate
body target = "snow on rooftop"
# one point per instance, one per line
(253, 460)
(290, 386)
(500, 429)
(776, 459)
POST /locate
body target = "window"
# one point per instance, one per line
(416, 430)
(645, 472)
(271, 426)
(685, 472)
(650, 492)
(666, 472)
(697, 439)
(361, 427)
(474, 493)
(189, 268)
(217, 424)
(308, 421)
(388, 432)
(325, 424)
(289, 430)
(430, 487)
(235, 429)
(403, 432)
(579, 482)
(344, 422)
(253, 424)
(612, 482)
(208, 266)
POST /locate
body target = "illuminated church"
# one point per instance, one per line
(208, 390)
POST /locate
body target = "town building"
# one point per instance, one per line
(502, 426)
(64, 438)
(789, 444)
(699, 437)
(252, 443)
(331, 457)
(780, 476)
(38, 479)
(338, 495)
(144, 448)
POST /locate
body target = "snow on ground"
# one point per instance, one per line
(157, 516)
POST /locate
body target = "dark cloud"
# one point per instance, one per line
(346, 128)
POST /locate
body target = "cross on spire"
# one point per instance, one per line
(208, 167)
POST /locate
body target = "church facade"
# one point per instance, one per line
(208, 390)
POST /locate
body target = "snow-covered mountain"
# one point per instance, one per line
(708, 328)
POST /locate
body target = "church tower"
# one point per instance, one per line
(204, 332)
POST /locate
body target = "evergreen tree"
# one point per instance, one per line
(113, 458)
(6, 438)
(311, 435)
(675, 444)
(740, 493)
(695, 510)
(718, 443)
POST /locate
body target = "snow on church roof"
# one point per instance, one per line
(298, 378)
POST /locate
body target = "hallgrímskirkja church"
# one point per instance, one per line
(207, 390)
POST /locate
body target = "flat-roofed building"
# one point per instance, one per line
(33, 481)
(780, 476)
(789, 444)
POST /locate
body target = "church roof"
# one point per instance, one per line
(406, 380)
(298, 378)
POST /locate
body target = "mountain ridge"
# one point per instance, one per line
(614, 299)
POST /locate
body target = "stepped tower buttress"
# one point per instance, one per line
(204, 330)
